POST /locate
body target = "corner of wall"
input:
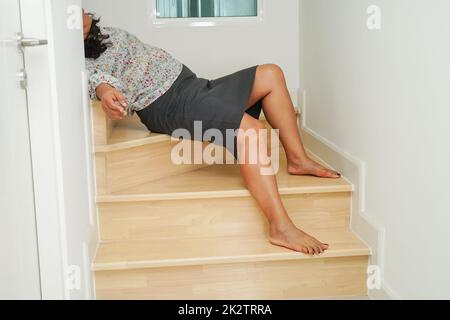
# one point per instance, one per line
(353, 169)
(384, 293)
(90, 250)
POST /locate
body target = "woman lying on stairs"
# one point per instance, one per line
(129, 76)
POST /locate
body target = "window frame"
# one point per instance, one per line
(207, 21)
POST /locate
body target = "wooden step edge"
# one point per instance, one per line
(105, 148)
(116, 198)
(284, 256)
(132, 143)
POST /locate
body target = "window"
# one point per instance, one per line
(205, 8)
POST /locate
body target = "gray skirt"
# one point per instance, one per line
(197, 105)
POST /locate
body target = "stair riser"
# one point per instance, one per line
(215, 217)
(313, 278)
(102, 125)
(121, 169)
(130, 167)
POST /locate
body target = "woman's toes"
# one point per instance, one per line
(312, 168)
(336, 174)
(330, 173)
(325, 172)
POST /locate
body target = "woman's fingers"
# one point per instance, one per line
(113, 114)
(112, 108)
(111, 103)
(114, 104)
(120, 98)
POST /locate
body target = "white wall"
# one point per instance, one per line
(213, 52)
(383, 97)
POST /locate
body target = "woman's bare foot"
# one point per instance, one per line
(310, 167)
(295, 239)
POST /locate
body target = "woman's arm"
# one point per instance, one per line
(108, 90)
(113, 101)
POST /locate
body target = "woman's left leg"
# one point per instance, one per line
(282, 230)
(270, 87)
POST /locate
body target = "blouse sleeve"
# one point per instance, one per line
(97, 78)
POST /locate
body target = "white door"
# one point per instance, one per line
(48, 230)
(19, 266)
(61, 148)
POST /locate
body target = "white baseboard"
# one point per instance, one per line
(364, 226)
(370, 231)
(90, 251)
(385, 293)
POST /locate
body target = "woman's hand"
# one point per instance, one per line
(113, 102)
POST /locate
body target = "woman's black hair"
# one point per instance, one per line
(95, 44)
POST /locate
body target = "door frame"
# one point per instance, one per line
(56, 251)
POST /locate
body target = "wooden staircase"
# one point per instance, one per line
(194, 231)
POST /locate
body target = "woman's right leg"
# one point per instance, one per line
(270, 87)
(264, 189)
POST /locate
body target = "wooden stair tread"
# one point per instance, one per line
(129, 129)
(138, 254)
(221, 181)
(130, 132)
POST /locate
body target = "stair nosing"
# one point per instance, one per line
(131, 144)
(238, 193)
(184, 262)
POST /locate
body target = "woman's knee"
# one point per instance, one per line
(248, 123)
(250, 129)
(272, 72)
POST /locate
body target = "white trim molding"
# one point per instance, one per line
(206, 22)
(370, 231)
(67, 233)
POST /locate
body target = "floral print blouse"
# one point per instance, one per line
(143, 73)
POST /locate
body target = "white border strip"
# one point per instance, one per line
(57, 142)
